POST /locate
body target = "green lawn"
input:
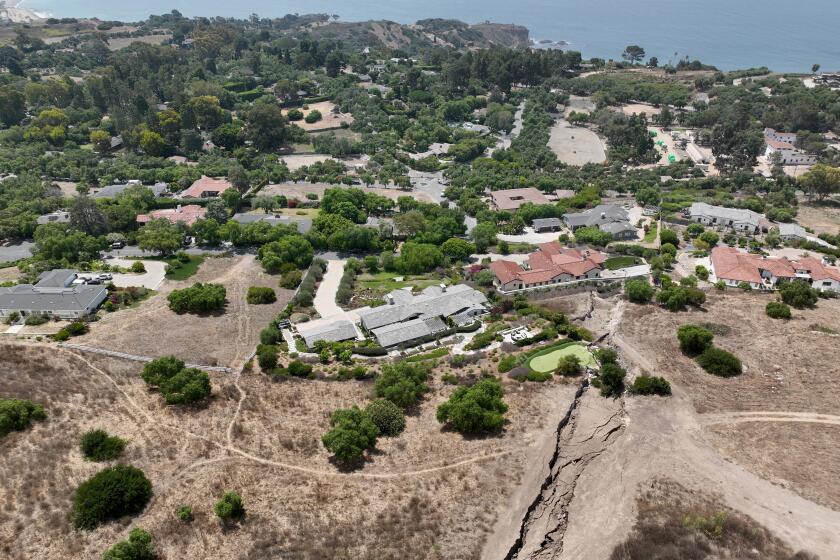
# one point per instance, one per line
(547, 360)
(185, 270)
(614, 263)
(650, 236)
(386, 282)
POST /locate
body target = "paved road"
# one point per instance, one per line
(151, 279)
(17, 251)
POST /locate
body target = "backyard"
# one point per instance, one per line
(547, 360)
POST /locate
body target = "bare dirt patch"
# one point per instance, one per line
(329, 119)
(300, 190)
(821, 219)
(428, 493)
(766, 448)
(576, 145)
(117, 43)
(227, 339)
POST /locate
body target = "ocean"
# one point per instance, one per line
(730, 34)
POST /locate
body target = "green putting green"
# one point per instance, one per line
(547, 361)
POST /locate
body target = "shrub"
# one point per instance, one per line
(137, 547)
(294, 114)
(507, 363)
(702, 272)
(667, 236)
(313, 116)
(358, 372)
(261, 295)
(777, 310)
(606, 356)
(638, 290)
(402, 383)
(230, 507)
(481, 340)
(475, 409)
(650, 385)
(76, 328)
(611, 380)
(388, 417)
(720, 362)
(291, 279)
(693, 339)
(267, 357)
(184, 513)
(746, 286)
(110, 494)
(569, 366)
(17, 414)
(199, 298)
(138, 267)
(352, 432)
(269, 336)
(177, 384)
(36, 319)
(299, 369)
(798, 294)
(97, 445)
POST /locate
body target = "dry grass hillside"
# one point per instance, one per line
(429, 493)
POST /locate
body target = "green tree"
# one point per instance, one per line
(17, 415)
(161, 236)
(152, 143)
(821, 181)
(352, 432)
(457, 249)
(611, 379)
(137, 547)
(798, 294)
(719, 362)
(101, 141)
(266, 126)
(402, 383)
(475, 409)
(417, 258)
(650, 385)
(97, 445)
(483, 235)
(388, 417)
(693, 339)
(293, 249)
(638, 290)
(110, 494)
(261, 295)
(633, 54)
(777, 310)
(86, 216)
(593, 236)
(198, 298)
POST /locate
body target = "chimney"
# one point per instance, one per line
(178, 209)
(603, 215)
(443, 287)
(390, 299)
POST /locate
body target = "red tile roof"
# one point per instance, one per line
(548, 263)
(731, 264)
(207, 185)
(186, 215)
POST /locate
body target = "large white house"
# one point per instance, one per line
(720, 217)
(788, 154)
(735, 267)
(55, 295)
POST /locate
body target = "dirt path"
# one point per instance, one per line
(768, 416)
(163, 427)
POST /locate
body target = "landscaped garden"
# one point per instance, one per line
(624, 261)
(548, 359)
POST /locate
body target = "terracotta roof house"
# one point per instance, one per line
(206, 187)
(734, 267)
(550, 264)
(187, 215)
(512, 199)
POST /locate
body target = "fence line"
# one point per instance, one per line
(135, 358)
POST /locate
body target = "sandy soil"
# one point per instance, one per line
(296, 161)
(428, 493)
(576, 145)
(152, 329)
(117, 43)
(639, 108)
(328, 118)
(821, 219)
(579, 104)
(300, 190)
(9, 274)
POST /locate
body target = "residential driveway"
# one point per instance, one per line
(324, 301)
(629, 272)
(151, 279)
(530, 236)
(17, 251)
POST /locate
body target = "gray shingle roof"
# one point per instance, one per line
(303, 224)
(431, 302)
(601, 214)
(56, 278)
(336, 331)
(398, 333)
(792, 230)
(540, 223)
(112, 191)
(737, 215)
(617, 227)
(31, 298)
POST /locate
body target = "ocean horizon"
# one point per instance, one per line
(786, 37)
